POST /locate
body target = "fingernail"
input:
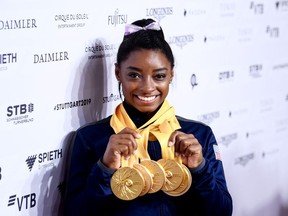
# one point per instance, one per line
(135, 152)
(170, 143)
(138, 135)
(176, 154)
(127, 158)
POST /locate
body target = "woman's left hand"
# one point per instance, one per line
(189, 148)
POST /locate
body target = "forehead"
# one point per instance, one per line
(146, 57)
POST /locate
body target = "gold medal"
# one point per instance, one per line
(173, 173)
(157, 173)
(147, 178)
(127, 183)
(184, 186)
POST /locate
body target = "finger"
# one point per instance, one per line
(172, 138)
(131, 131)
(129, 141)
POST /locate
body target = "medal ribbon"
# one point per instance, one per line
(161, 125)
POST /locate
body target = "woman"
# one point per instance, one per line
(144, 128)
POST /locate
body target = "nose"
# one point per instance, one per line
(147, 85)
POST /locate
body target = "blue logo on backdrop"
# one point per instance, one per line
(47, 158)
(27, 201)
(19, 114)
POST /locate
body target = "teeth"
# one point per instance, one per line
(147, 98)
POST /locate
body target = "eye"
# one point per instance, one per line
(160, 76)
(133, 75)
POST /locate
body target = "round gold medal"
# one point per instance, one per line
(173, 173)
(157, 173)
(147, 178)
(127, 183)
(184, 186)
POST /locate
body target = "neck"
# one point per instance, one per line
(139, 118)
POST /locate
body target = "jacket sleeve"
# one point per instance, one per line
(209, 182)
(88, 181)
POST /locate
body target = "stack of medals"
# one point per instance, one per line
(140, 175)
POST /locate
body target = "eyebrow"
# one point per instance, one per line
(140, 70)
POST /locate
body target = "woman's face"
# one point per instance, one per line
(145, 78)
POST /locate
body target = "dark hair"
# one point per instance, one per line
(144, 39)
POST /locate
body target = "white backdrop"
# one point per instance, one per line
(56, 74)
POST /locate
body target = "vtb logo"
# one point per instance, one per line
(26, 201)
(20, 109)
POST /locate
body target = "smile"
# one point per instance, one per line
(146, 98)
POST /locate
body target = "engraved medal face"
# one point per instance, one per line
(147, 178)
(173, 173)
(127, 183)
(157, 172)
(184, 186)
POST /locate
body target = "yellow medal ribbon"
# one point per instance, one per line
(161, 125)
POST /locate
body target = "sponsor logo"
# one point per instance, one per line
(227, 9)
(193, 12)
(245, 34)
(250, 134)
(271, 152)
(255, 70)
(227, 139)
(280, 66)
(193, 81)
(100, 50)
(281, 125)
(257, 8)
(23, 202)
(282, 5)
(273, 32)
(159, 13)
(7, 58)
(182, 40)
(72, 104)
(233, 113)
(111, 98)
(117, 19)
(17, 24)
(209, 117)
(20, 114)
(245, 159)
(45, 159)
(266, 105)
(51, 57)
(226, 75)
(71, 20)
(213, 38)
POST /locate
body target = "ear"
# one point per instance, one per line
(172, 75)
(117, 71)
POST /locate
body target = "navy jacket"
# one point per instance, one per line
(88, 186)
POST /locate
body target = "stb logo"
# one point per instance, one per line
(20, 109)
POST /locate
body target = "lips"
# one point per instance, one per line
(146, 99)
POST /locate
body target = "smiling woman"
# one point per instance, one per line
(144, 159)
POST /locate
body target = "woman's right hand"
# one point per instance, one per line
(121, 144)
